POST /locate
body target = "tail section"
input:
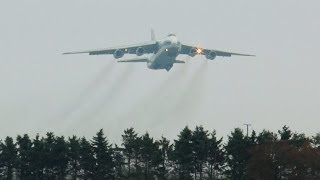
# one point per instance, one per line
(153, 37)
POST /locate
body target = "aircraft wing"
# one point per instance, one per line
(185, 49)
(149, 47)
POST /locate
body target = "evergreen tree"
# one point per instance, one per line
(1, 161)
(128, 141)
(285, 133)
(183, 154)
(298, 140)
(74, 156)
(103, 157)
(37, 156)
(87, 161)
(215, 156)
(237, 154)
(49, 157)
(150, 155)
(8, 157)
(266, 137)
(24, 157)
(253, 138)
(316, 140)
(166, 149)
(60, 154)
(200, 144)
(137, 157)
(119, 162)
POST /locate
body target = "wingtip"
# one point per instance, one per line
(250, 55)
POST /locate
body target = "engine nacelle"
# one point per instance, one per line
(192, 52)
(118, 54)
(139, 51)
(211, 55)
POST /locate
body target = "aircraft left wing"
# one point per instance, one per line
(148, 47)
(185, 49)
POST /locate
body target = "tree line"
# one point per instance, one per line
(195, 154)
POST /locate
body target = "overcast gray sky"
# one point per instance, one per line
(42, 90)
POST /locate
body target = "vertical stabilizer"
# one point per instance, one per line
(153, 37)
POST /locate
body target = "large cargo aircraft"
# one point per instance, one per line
(164, 52)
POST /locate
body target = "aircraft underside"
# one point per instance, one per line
(157, 66)
(164, 58)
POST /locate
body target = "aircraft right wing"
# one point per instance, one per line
(148, 47)
(185, 49)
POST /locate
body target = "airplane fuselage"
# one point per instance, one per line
(166, 54)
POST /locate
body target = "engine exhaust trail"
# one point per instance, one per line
(193, 94)
(166, 87)
(186, 101)
(158, 97)
(114, 90)
(88, 93)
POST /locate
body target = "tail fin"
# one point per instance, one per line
(153, 37)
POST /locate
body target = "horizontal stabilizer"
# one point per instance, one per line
(179, 61)
(135, 60)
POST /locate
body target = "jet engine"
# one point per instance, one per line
(193, 52)
(118, 54)
(139, 51)
(211, 55)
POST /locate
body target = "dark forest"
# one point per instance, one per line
(194, 154)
